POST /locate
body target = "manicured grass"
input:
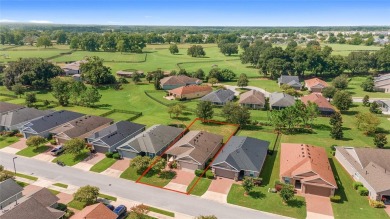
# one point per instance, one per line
(155, 180)
(27, 176)
(71, 159)
(77, 204)
(108, 197)
(103, 165)
(356, 91)
(119, 116)
(220, 129)
(22, 184)
(33, 151)
(6, 141)
(60, 185)
(130, 174)
(201, 187)
(85, 110)
(353, 205)
(54, 192)
(160, 211)
(132, 215)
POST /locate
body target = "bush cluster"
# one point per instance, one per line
(356, 185)
(376, 204)
(335, 199)
(362, 191)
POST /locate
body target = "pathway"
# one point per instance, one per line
(88, 162)
(318, 207)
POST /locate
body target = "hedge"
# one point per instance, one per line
(336, 199)
(356, 185)
(210, 174)
(362, 191)
(198, 172)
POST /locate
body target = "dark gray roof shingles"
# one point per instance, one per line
(53, 120)
(219, 96)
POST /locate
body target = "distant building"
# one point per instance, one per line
(278, 100)
(382, 83)
(73, 68)
(252, 99)
(219, 97)
(323, 104)
(172, 82)
(128, 74)
(315, 85)
(14, 120)
(190, 92)
(292, 81)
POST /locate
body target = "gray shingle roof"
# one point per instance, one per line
(45, 197)
(21, 115)
(286, 79)
(53, 120)
(244, 153)
(85, 124)
(9, 188)
(252, 97)
(153, 139)
(281, 99)
(219, 96)
(117, 132)
(5, 107)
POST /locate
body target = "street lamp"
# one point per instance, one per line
(14, 164)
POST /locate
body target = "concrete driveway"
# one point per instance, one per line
(181, 181)
(219, 189)
(88, 162)
(318, 207)
(117, 168)
(46, 156)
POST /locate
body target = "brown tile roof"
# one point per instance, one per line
(296, 159)
(179, 80)
(45, 197)
(96, 211)
(315, 81)
(252, 97)
(196, 144)
(318, 99)
(190, 89)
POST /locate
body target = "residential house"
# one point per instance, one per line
(384, 105)
(307, 168)
(252, 99)
(278, 100)
(315, 85)
(14, 120)
(111, 137)
(39, 205)
(172, 82)
(43, 125)
(293, 81)
(129, 74)
(219, 97)
(240, 157)
(73, 68)
(152, 142)
(96, 211)
(323, 104)
(81, 127)
(371, 167)
(190, 92)
(77, 77)
(382, 83)
(8, 107)
(10, 192)
(195, 149)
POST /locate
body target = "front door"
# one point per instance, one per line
(298, 184)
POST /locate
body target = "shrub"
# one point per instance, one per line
(336, 199)
(68, 214)
(116, 156)
(61, 207)
(333, 147)
(167, 174)
(53, 142)
(356, 185)
(362, 191)
(123, 80)
(109, 154)
(277, 182)
(278, 187)
(209, 174)
(333, 153)
(376, 204)
(198, 172)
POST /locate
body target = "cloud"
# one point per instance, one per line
(41, 22)
(6, 20)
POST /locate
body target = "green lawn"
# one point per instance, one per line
(22, 184)
(220, 129)
(27, 176)
(77, 204)
(32, 151)
(201, 187)
(130, 174)
(60, 185)
(6, 141)
(353, 205)
(103, 165)
(70, 159)
(108, 197)
(356, 91)
(160, 211)
(132, 215)
(54, 192)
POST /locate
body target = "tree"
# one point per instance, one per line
(380, 140)
(359, 62)
(382, 58)
(4, 175)
(136, 78)
(368, 84)
(242, 80)
(198, 74)
(336, 122)
(236, 114)
(196, 51)
(244, 44)
(18, 89)
(61, 90)
(173, 49)
(312, 111)
(74, 146)
(366, 100)
(95, 73)
(374, 108)
(329, 92)
(204, 110)
(77, 89)
(342, 100)
(30, 98)
(213, 81)
(367, 122)
(87, 194)
(340, 82)
(221, 74)
(35, 141)
(139, 212)
(228, 48)
(149, 77)
(158, 163)
(248, 185)
(158, 75)
(43, 41)
(176, 110)
(140, 163)
(287, 192)
(90, 96)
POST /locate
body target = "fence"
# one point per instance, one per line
(136, 114)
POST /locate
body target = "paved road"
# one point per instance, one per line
(360, 99)
(237, 93)
(186, 204)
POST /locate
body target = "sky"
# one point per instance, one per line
(199, 13)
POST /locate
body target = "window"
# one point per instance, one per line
(286, 180)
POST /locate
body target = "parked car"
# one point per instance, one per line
(120, 210)
(111, 207)
(57, 150)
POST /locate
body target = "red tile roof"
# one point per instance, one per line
(296, 159)
(96, 211)
(190, 89)
(318, 99)
(315, 81)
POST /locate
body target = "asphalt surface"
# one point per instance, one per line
(148, 195)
